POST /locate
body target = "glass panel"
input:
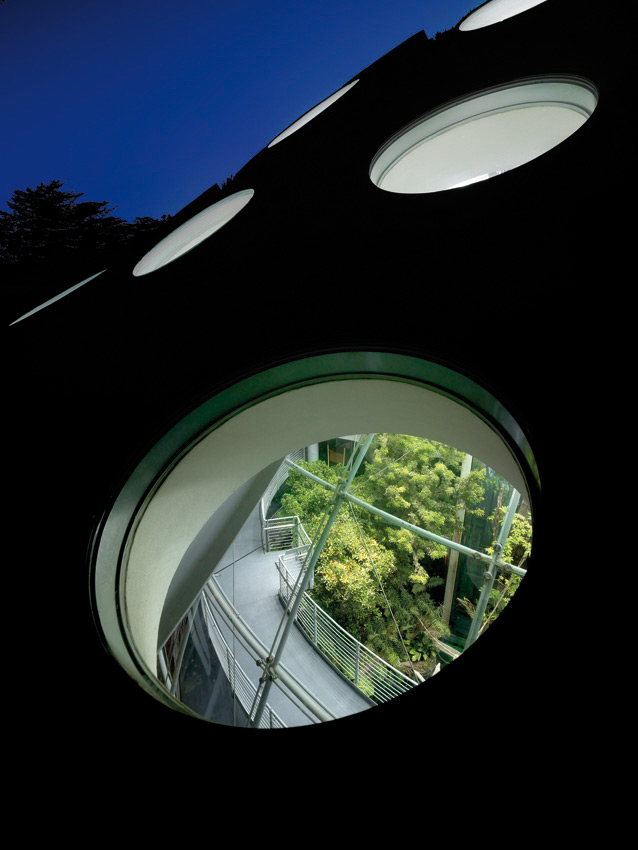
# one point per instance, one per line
(389, 603)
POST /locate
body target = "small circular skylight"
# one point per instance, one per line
(483, 134)
(192, 232)
(312, 113)
(496, 11)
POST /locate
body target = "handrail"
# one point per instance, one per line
(288, 679)
(284, 533)
(277, 480)
(373, 676)
(240, 684)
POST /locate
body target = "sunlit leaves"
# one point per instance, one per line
(420, 482)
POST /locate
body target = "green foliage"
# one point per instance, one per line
(516, 551)
(346, 585)
(419, 647)
(519, 541)
(369, 571)
(307, 500)
(419, 481)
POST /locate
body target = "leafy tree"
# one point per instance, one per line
(48, 222)
(372, 577)
(420, 482)
(346, 584)
(47, 219)
(304, 498)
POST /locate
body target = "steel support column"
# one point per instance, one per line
(492, 569)
(305, 576)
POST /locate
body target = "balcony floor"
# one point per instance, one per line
(253, 585)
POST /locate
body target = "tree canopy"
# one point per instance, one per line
(379, 581)
(47, 222)
(419, 481)
(346, 584)
(375, 579)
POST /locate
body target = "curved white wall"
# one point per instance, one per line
(231, 454)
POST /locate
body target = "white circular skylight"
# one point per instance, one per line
(312, 113)
(192, 232)
(483, 134)
(496, 11)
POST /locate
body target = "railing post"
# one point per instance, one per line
(284, 573)
(229, 668)
(356, 664)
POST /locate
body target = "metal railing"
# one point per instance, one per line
(243, 689)
(284, 533)
(374, 677)
(274, 533)
(296, 690)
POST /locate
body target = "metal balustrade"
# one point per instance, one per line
(274, 534)
(374, 677)
(241, 686)
(284, 533)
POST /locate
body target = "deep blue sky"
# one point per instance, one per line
(147, 103)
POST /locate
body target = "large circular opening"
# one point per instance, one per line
(483, 134)
(181, 513)
(188, 235)
(496, 11)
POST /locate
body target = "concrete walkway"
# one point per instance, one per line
(250, 580)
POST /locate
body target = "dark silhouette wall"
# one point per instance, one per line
(489, 280)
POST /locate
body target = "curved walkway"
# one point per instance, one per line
(250, 580)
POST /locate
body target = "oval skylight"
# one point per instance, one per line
(483, 134)
(496, 11)
(57, 297)
(192, 232)
(312, 113)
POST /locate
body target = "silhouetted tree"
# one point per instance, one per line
(47, 222)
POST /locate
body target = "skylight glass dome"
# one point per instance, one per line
(496, 11)
(483, 134)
